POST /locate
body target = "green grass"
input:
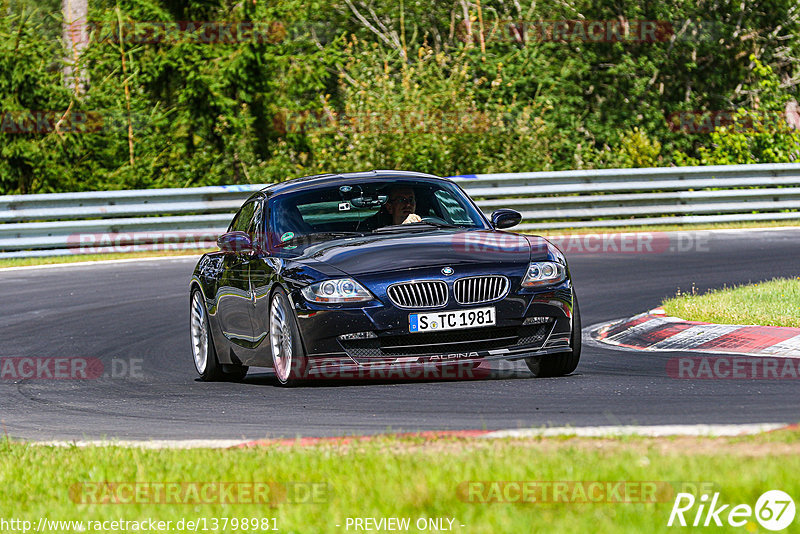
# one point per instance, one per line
(23, 262)
(772, 303)
(406, 477)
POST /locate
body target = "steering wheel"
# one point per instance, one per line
(434, 220)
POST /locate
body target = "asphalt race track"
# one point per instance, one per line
(134, 317)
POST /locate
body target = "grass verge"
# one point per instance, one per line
(77, 258)
(772, 303)
(321, 486)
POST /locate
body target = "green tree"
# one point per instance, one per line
(757, 135)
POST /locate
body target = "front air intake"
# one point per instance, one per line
(479, 289)
(418, 294)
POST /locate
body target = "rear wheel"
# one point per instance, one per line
(564, 363)
(288, 356)
(205, 356)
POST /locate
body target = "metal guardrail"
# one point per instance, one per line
(115, 221)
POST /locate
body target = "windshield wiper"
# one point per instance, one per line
(318, 235)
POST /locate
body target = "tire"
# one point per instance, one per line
(288, 357)
(234, 373)
(204, 354)
(560, 364)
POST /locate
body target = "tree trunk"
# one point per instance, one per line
(76, 37)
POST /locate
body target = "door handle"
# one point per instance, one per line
(251, 290)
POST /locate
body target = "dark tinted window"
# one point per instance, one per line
(243, 221)
(256, 226)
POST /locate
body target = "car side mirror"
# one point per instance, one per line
(237, 242)
(505, 218)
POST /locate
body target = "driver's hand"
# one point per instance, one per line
(412, 218)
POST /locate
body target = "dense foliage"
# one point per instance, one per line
(341, 85)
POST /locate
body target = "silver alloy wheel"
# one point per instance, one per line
(199, 334)
(280, 334)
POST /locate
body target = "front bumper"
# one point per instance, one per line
(547, 330)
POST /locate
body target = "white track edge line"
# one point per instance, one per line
(710, 430)
(698, 430)
(143, 444)
(97, 262)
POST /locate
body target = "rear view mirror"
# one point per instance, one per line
(355, 195)
(236, 242)
(369, 202)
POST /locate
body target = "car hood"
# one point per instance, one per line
(412, 250)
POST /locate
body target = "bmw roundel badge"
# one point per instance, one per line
(447, 271)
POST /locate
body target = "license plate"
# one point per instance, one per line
(451, 320)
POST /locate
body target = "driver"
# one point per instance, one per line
(398, 209)
(401, 205)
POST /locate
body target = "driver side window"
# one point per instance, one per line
(256, 227)
(244, 219)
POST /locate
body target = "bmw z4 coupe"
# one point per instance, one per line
(380, 269)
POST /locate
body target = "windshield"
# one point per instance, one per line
(361, 208)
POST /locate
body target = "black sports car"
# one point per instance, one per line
(383, 269)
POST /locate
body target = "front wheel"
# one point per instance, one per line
(288, 356)
(560, 364)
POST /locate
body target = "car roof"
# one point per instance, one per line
(311, 182)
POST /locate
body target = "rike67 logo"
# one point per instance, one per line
(774, 510)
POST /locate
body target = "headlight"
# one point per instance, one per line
(544, 272)
(336, 291)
